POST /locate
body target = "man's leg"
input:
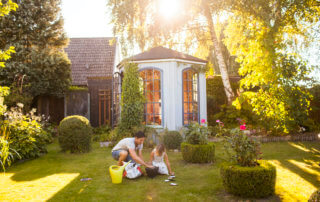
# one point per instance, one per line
(122, 157)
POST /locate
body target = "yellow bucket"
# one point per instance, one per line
(116, 173)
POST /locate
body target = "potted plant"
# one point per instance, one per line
(196, 148)
(246, 174)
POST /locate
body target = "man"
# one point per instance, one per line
(126, 148)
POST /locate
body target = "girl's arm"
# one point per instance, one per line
(151, 156)
(168, 163)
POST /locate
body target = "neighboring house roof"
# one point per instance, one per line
(90, 57)
(160, 53)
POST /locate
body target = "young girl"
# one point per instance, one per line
(157, 156)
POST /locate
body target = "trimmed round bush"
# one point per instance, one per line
(172, 140)
(194, 153)
(315, 197)
(75, 134)
(255, 182)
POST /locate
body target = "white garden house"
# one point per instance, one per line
(175, 93)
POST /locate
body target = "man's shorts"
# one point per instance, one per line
(116, 155)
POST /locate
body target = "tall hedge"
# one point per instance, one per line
(132, 100)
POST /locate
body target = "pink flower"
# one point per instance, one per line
(218, 121)
(243, 127)
(203, 121)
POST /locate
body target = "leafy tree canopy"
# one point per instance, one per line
(39, 66)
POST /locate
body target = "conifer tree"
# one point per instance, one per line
(131, 99)
(39, 66)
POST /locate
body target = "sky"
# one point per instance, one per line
(86, 18)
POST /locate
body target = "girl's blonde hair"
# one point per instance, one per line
(160, 149)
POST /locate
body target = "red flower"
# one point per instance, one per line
(243, 127)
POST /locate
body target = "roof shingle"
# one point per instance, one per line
(90, 57)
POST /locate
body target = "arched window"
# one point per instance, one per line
(151, 79)
(190, 96)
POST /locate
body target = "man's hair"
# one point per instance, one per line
(139, 134)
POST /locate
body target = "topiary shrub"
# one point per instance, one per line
(172, 139)
(197, 153)
(75, 134)
(315, 197)
(257, 182)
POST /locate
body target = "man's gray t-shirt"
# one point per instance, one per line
(126, 144)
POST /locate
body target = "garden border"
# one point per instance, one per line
(294, 138)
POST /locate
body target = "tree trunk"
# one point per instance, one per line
(219, 55)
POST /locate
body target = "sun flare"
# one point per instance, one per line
(169, 8)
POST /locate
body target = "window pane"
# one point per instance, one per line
(157, 74)
(190, 96)
(157, 97)
(185, 96)
(195, 117)
(185, 107)
(149, 86)
(157, 108)
(189, 86)
(185, 119)
(184, 75)
(157, 119)
(149, 73)
(149, 96)
(149, 119)
(185, 85)
(149, 109)
(157, 85)
(195, 107)
(190, 74)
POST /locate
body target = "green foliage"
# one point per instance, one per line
(26, 135)
(77, 88)
(101, 133)
(198, 153)
(6, 153)
(17, 95)
(131, 99)
(5, 8)
(315, 196)
(267, 49)
(257, 182)
(171, 139)
(242, 149)
(75, 134)
(217, 100)
(39, 64)
(196, 134)
(315, 104)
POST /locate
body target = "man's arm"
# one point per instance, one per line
(136, 158)
(140, 154)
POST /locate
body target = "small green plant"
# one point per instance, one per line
(196, 133)
(171, 139)
(25, 133)
(242, 149)
(6, 153)
(75, 134)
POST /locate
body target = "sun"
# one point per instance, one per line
(169, 8)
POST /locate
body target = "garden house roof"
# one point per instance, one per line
(162, 53)
(90, 57)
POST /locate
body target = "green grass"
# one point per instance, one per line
(56, 177)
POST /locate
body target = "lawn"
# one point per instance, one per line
(56, 177)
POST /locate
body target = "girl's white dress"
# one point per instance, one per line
(159, 162)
